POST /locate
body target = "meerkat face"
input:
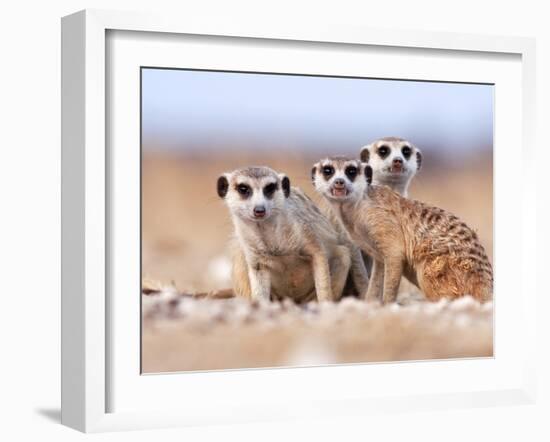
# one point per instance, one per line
(254, 193)
(341, 179)
(393, 160)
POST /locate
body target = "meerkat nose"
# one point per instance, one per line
(259, 211)
(339, 182)
(397, 165)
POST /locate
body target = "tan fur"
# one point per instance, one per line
(384, 174)
(358, 271)
(295, 252)
(429, 246)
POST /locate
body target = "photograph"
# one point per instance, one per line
(293, 220)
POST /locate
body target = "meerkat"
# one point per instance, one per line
(358, 278)
(432, 248)
(283, 246)
(394, 161)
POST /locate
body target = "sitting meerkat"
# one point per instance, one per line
(394, 162)
(429, 246)
(284, 246)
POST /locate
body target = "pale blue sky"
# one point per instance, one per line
(207, 110)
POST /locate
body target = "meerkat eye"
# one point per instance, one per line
(328, 171)
(406, 151)
(383, 151)
(351, 172)
(244, 190)
(270, 189)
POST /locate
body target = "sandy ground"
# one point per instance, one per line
(185, 231)
(182, 333)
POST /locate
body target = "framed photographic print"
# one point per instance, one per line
(271, 223)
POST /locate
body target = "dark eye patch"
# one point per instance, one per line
(270, 189)
(383, 151)
(244, 190)
(328, 171)
(406, 151)
(368, 174)
(351, 172)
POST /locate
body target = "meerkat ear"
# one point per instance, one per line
(418, 159)
(365, 154)
(313, 173)
(285, 184)
(223, 186)
(368, 173)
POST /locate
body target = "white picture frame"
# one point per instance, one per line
(86, 201)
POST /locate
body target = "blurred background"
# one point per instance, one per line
(198, 124)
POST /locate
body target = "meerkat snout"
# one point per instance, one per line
(397, 164)
(395, 161)
(341, 178)
(254, 193)
(259, 211)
